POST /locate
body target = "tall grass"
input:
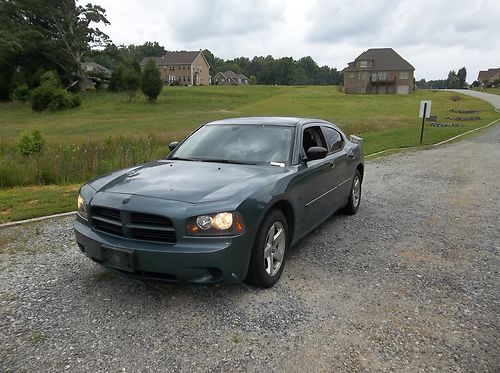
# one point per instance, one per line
(73, 163)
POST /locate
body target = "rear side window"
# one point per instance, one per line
(334, 139)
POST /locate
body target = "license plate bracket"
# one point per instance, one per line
(119, 258)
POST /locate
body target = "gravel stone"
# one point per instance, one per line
(410, 283)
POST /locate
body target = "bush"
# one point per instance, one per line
(76, 100)
(30, 142)
(21, 93)
(116, 80)
(131, 82)
(60, 101)
(151, 83)
(41, 97)
(50, 79)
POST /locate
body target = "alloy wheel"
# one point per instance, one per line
(274, 250)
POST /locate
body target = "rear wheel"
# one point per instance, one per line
(268, 255)
(355, 195)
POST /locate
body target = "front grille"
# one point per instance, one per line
(134, 225)
(107, 220)
(140, 218)
(152, 235)
(106, 212)
(106, 227)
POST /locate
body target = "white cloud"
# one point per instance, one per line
(433, 35)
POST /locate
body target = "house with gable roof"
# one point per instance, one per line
(229, 78)
(488, 76)
(379, 71)
(184, 67)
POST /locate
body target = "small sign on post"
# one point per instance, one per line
(425, 112)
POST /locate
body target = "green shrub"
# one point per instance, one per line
(151, 83)
(76, 100)
(30, 142)
(60, 101)
(41, 97)
(21, 93)
(50, 79)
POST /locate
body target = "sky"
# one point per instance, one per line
(435, 36)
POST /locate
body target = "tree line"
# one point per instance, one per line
(455, 80)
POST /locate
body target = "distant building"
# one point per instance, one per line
(95, 75)
(488, 76)
(184, 68)
(379, 71)
(92, 68)
(229, 78)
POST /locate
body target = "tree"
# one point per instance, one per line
(454, 82)
(116, 80)
(452, 76)
(253, 80)
(462, 75)
(51, 34)
(131, 82)
(151, 83)
(475, 84)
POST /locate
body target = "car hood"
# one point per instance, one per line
(188, 181)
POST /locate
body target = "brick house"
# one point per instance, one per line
(184, 68)
(229, 78)
(488, 76)
(379, 71)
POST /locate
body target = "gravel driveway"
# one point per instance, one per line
(410, 283)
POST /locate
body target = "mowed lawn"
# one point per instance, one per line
(384, 121)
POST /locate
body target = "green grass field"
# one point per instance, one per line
(107, 132)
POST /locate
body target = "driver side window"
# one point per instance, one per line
(312, 137)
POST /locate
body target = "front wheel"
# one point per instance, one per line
(268, 255)
(355, 195)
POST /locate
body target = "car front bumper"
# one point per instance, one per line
(204, 260)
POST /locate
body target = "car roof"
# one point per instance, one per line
(275, 121)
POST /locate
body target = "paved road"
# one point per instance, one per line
(488, 97)
(410, 283)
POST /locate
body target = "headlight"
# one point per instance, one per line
(219, 224)
(82, 207)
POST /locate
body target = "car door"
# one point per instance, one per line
(312, 182)
(340, 168)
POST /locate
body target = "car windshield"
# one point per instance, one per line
(238, 143)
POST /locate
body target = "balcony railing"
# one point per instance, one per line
(382, 79)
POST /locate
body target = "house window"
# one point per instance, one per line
(381, 75)
(363, 64)
(404, 75)
(362, 75)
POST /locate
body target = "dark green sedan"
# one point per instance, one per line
(226, 204)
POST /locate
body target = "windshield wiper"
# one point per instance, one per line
(226, 161)
(182, 159)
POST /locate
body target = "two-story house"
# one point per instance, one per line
(379, 71)
(184, 68)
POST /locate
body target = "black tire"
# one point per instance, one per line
(258, 270)
(354, 196)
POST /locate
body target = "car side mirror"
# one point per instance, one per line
(173, 145)
(316, 152)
